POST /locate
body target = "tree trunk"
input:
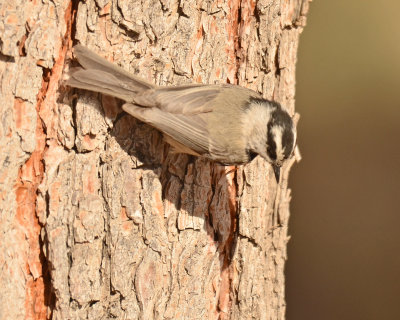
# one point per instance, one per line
(98, 220)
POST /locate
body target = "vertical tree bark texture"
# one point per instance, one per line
(98, 220)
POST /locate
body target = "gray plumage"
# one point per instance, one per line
(226, 123)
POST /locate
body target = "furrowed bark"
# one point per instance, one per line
(98, 220)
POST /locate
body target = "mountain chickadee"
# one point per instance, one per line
(225, 123)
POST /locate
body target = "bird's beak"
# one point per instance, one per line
(277, 172)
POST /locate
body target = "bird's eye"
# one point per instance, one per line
(271, 152)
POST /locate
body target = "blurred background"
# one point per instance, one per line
(344, 252)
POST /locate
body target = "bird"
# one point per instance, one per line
(225, 123)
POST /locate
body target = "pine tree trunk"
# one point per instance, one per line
(98, 220)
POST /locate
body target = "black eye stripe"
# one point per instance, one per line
(271, 149)
(271, 153)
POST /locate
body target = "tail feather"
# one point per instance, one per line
(100, 75)
(100, 81)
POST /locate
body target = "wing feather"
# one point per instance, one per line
(190, 130)
(187, 100)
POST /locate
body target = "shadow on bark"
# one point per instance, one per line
(204, 186)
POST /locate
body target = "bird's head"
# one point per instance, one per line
(274, 133)
(281, 138)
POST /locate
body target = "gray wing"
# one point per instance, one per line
(186, 100)
(195, 98)
(182, 113)
(188, 129)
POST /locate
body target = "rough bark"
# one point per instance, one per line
(98, 220)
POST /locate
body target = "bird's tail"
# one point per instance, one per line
(98, 74)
